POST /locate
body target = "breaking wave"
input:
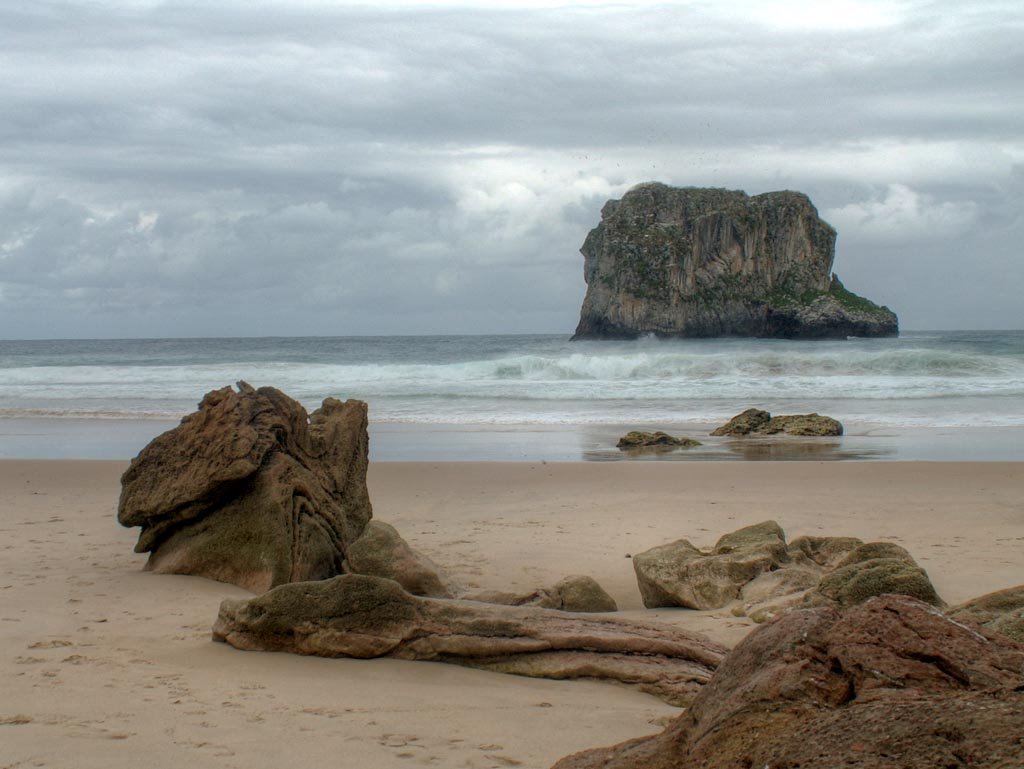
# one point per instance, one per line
(928, 379)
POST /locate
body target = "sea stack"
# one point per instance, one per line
(692, 262)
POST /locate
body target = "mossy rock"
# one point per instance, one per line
(640, 440)
(873, 550)
(743, 424)
(857, 582)
(814, 425)
(827, 552)
(767, 535)
(1002, 611)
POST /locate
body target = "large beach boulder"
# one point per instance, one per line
(756, 566)
(380, 551)
(359, 616)
(679, 574)
(889, 683)
(1002, 611)
(252, 490)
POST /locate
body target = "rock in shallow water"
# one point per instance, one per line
(358, 616)
(251, 490)
(640, 440)
(890, 683)
(758, 422)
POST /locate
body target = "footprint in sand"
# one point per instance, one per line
(54, 644)
(503, 760)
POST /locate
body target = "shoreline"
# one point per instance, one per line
(116, 439)
(105, 662)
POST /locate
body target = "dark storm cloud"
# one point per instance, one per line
(321, 168)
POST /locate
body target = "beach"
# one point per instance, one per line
(105, 665)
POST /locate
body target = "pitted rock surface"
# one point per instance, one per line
(251, 490)
(890, 683)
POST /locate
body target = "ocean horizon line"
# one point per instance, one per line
(504, 334)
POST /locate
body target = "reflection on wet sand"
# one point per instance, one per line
(774, 448)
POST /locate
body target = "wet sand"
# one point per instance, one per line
(75, 438)
(104, 665)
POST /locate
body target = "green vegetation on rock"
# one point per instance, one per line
(693, 262)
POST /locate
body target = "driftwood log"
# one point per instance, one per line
(360, 616)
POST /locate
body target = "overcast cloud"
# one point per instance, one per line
(280, 168)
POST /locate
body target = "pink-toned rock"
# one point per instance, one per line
(251, 490)
(891, 683)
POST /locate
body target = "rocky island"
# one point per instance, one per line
(691, 262)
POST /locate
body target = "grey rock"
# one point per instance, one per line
(679, 574)
(772, 592)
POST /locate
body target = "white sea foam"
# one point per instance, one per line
(928, 380)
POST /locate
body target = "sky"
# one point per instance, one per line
(309, 167)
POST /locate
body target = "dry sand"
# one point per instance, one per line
(104, 665)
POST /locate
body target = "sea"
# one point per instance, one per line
(926, 395)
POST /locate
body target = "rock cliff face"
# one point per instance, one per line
(692, 262)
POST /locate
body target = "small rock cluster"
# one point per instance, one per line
(758, 422)
(756, 568)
